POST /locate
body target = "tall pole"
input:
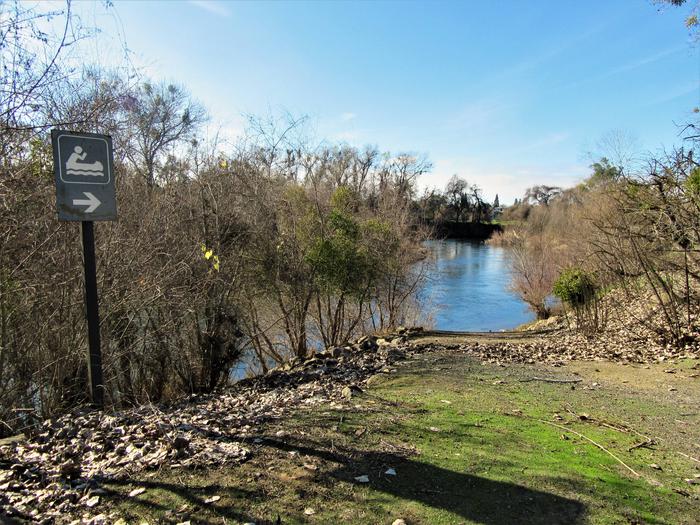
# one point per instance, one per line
(93, 316)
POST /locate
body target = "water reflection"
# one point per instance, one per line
(468, 286)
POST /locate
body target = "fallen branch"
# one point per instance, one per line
(601, 447)
(551, 380)
(689, 457)
(624, 427)
(646, 444)
(614, 427)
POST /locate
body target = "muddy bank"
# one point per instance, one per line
(477, 231)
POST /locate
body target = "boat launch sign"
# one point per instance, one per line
(84, 170)
(83, 166)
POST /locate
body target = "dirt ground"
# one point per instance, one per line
(445, 438)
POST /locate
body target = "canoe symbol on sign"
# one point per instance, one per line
(74, 166)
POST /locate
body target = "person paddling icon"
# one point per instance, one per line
(75, 166)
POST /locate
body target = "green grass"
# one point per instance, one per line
(506, 223)
(488, 458)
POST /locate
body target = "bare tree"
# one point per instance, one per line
(534, 271)
(32, 66)
(458, 197)
(161, 117)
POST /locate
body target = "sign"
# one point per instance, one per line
(84, 170)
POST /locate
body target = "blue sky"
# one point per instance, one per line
(505, 94)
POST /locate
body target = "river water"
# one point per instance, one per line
(468, 288)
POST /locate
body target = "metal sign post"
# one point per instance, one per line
(93, 316)
(83, 167)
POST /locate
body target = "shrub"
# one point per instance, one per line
(574, 287)
(579, 290)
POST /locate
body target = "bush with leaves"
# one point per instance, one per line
(577, 289)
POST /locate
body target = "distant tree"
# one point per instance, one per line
(496, 204)
(603, 172)
(541, 194)
(457, 192)
(400, 172)
(465, 201)
(161, 116)
(432, 204)
(480, 209)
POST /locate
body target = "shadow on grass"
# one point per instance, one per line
(472, 497)
(193, 496)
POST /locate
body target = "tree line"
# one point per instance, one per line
(459, 202)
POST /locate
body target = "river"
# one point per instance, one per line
(468, 288)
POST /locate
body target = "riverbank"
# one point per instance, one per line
(475, 429)
(473, 231)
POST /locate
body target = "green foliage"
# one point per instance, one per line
(41, 160)
(299, 222)
(343, 225)
(380, 235)
(383, 244)
(692, 183)
(343, 199)
(603, 172)
(578, 289)
(639, 196)
(337, 263)
(339, 259)
(353, 254)
(575, 287)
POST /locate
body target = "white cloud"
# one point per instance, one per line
(624, 68)
(643, 61)
(346, 117)
(680, 91)
(480, 113)
(215, 8)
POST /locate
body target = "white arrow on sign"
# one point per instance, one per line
(91, 202)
